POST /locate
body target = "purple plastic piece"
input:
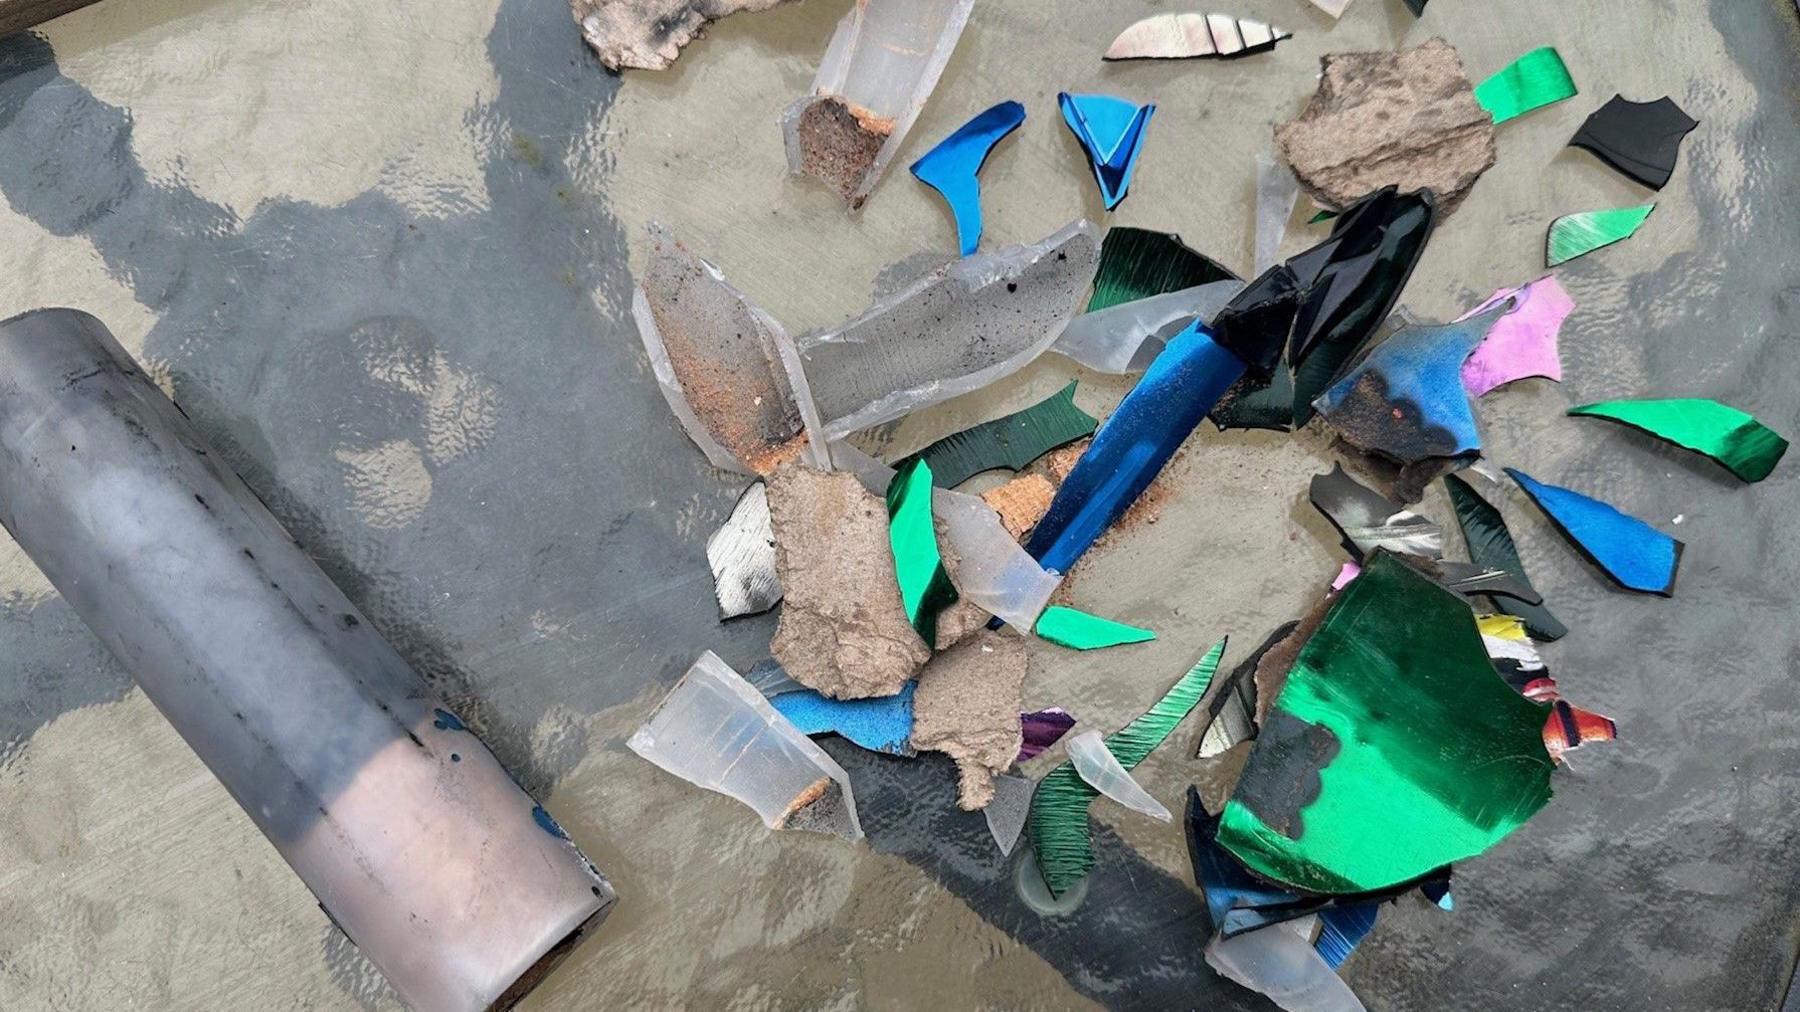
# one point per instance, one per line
(1523, 342)
(1042, 730)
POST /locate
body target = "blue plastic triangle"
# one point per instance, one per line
(1636, 555)
(1111, 130)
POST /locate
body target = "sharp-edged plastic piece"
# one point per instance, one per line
(650, 34)
(1537, 79)
(1574, 235)
(1127, 337)
(925, 587)
(1524, 341)
(878, 70)
(1368, 520)
(716, 731)
(1640, 139)
(1277, 190)
(1470, 579)
(1491, 545)
(1392, 749)
(879, 725)
(1010, 442)
(1077, 630)
(1059, 812)
(920, 346)
(1335, 8)
(1636, 555)
(1347, 572)
(1137, 263)
(742, 556)
(1042, 729)
(1102, 771)
(1342, 929)
(1111, 131)
(1283, 966)
(953, 166)
(1006, 813)
(1231, 710)
(1417, 7)
(768, 677)
(1569, 727)
(968, 708)
(1747, 447)
(716, 358)
(1179, 36)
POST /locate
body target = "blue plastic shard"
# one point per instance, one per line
(1636, 555)
(951, 167)
(1112, 132)
(882, 724)
(1342, 929)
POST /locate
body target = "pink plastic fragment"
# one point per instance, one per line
(1523, 342)
(1350, 572)
(1042, 730)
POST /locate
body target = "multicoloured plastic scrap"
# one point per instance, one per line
(1077, 630)
(1568, 727)
(1636, 555)
(1491, 544)
(1111, 130)
(1747, 447)
(1010, 442)
(1574, 235)
(1521, 343)
(1640, 139)
(1392, 749)
(925, 586)
(1537, 79)
(952, 167)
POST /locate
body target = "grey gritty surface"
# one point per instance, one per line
(380, 255)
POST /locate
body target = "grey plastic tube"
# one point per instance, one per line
(416, 842)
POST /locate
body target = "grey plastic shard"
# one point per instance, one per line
(714, 730)
(716, 358)
(1126, 338)
(879, 69)
(1277, 189)
(768, 677)
(1104, 773)
(957, 329)
(742, 556)
(1280, 963)
(1006, 813)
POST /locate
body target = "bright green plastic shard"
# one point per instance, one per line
(1532, 81)
(1059, 811)
(1573, 235)
(925, 587)
(1732, 437)
(1010, 442)
(1077, 630)
(1394, 748)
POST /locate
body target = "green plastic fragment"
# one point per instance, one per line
(1732, 437)
(1011, 442)
(925, 587)
(1077, 630)
(1394, 748)
(1059, 810)
(1573, 235)
(1136, 263)
(1324, 214)
(1532, 81)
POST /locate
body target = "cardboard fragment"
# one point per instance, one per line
(967, 707)
(649, 34)
(1021, 502)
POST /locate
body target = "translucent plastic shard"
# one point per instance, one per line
(1111, 131)
(1102, 771)
(1077, 630)
(1537, 79)
(953, 166)
(1125, 338)
(1335, 8)
(1006, 813)
(716, 731)
(1179, 36)
(1521, 343)
(1734, 438)
(880, 725)
(1640, 139)
(1491, 545)
(742, 556)
(878, 70)
(1574, 235)
(1010, 442)
(1636, 555)
(1277, 190)
(1282, 965)
(957, 329)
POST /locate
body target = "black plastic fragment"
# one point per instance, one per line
(1231, 710)
(1491, 545)
(1255, 324)
(1640, 139)
(1417, 7)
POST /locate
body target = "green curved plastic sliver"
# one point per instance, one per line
(1077, 630)
(1732, 437)
(1009, 442)
(1394, 748)
(1059, 810)
(1530, 82)
(925, 587)
(1573, 235)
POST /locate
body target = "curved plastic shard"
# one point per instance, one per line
(879, 725)
(1136, 263)
(1179, 36)
(1097, 765)
(1126, 338)
(717, 732)
(1231, 711)
(1574, 235)
(1285, 968)
(1077, 630)
(1342, 929)
(1059, 812)
(1491, 545)
(1640, 139)
(1537, 79)
(1523, 342)
(1042, 729)
(1111, 130)
(742, 556)
(925, 587)
(1636, 555)
(1010, 442)
(1392, 750)
(1368, 520)
(952, 167)
(1006, 813)
(1747, 447)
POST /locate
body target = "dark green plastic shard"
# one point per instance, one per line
(1393, 750)
(1136, 263)
(1574, 235)
(1059, 811)
(1077, 630)
(1734, 438)
(925, 587)
(1011, 442)
(1491, 545)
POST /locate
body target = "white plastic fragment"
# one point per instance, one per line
(1277, 190)
(1102, 771)
(1177, 36)
(742, 556)
(716, 731)
(1006, 813)
(1280, 963)
(1127, 337)
(1335, 8)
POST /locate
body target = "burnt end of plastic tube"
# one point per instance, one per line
(447, 875)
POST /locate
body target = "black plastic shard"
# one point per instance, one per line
(1136, 263)
(1469, 579)
(1491, 545)
(1010, 442)
(1417, 7)
(1368, 520)
(1262, 315)
(1231, 708)
(1640, 139)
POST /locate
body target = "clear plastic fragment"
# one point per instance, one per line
(716, 731)
(1006, 813)
(1277, 189)
(1101, 769)
(1125, 338)
(742, 556)
(1281, 964)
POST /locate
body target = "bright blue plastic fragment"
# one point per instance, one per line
(1112, 131)
(1342, 929)
(951, 167)
(879, 725)
(1418, 370)
(1638, 556)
